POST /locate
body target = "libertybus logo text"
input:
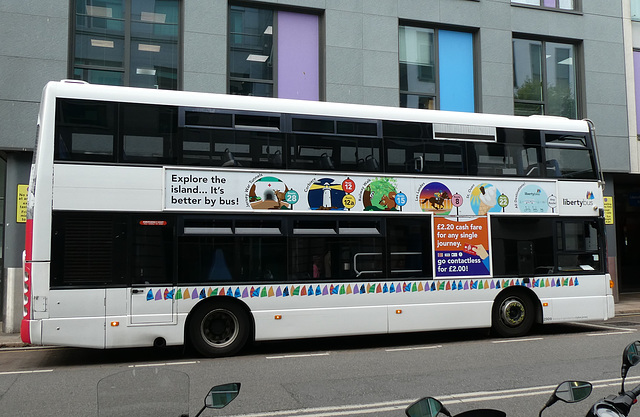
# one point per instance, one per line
(579, 203)
(588, 201)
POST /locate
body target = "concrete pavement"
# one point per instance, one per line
(11, 340)
(628, 304)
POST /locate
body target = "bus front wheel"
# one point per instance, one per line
(513, 314)
(219, 329)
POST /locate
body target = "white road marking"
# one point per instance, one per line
(413, 348)
(530, 339)
(39, 371)
(468, 397)
(148, 365)
(307, 355)
(610, 333)
(603, 326)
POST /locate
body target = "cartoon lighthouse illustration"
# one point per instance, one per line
(326, 196)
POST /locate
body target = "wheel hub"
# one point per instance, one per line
(219, 328)
(512, 312)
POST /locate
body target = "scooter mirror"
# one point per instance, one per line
(569, 392)
(573, 391)
(631, 355)
(426, 407)
(221, 395)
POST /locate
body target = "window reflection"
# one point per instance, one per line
(417, 67)
(526, 246)
(544, 78)
(251, 51)
(309, 248)
(105, 31)
(417, 60)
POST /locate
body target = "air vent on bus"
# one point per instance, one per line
(88, 250)
(464, 132)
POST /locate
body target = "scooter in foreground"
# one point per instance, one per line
(620, 405)
(155, 392)
(568, 391)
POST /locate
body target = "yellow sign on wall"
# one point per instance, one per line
(608, 210)
(21, 209)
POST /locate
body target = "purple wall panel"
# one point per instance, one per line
(550, 3)
(298, 56)
(636, 75)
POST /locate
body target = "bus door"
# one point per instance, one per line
(151, 290)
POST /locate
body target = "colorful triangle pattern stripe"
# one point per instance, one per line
(321, 290)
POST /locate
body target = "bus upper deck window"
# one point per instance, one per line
(85, 130)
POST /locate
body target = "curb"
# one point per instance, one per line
(11, 340)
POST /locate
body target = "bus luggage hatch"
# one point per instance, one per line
(152, 305)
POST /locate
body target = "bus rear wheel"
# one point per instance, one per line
(513, 314)
(219, 329)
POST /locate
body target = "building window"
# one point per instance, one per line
(258, 67)
(544, 78)
(436, 69)
(550, 4)
(635, 10)
(126, 42)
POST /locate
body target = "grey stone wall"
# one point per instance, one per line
(33, 51)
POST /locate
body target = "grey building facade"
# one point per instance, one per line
(365, 51)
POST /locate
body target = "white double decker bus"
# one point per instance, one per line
(164, 217)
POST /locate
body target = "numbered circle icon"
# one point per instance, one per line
(349, 186)
(401, 199)
(456, 200)
(291, 197)
(503, 201)
(349, 201)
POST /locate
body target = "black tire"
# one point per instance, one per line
(513, 314)
(220, 328)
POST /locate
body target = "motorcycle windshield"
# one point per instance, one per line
(144, 392)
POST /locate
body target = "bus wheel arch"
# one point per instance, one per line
(514, 312)
(219, 326)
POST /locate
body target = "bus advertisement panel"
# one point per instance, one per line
(240, 190)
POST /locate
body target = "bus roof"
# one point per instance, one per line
(82, 90)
